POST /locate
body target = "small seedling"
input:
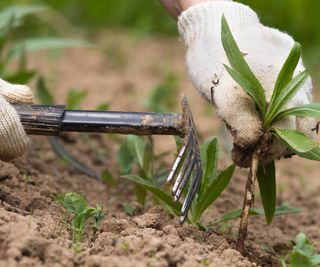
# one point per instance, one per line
(212, 185)
(285, 89)
(77, 205)
(302, 254)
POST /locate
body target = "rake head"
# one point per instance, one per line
(186, 165)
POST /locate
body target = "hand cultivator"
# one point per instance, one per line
(54, 120)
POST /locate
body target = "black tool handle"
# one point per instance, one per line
(41, 119)
(53, 120)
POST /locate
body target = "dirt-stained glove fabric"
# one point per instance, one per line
(265, 50)
(13, 139)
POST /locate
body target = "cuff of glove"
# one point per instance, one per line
(204, 19)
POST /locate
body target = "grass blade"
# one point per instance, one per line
(213, 191)
(267, 183)
(284, 209)
(162, 197)
(295, 140)
(238, 63)
(286, 73)
(286, 94)
(308, 110)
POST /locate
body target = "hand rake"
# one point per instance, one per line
(54, 120)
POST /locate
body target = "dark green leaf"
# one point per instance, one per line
(267, 183)
(285, 95)
(162, 197)
(136, 146)
(286, 73)
(125, 158)
(314, 154)
(308, 110)
(239, 65)
(75, 98)
(127, 207)
(108, 179)
(210, 194)
(295, 140)
(44, 95)
(284, 209)
(210, 156)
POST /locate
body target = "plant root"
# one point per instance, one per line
(248, 200)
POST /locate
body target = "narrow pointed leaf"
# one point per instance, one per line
(295, 140)
(314, 154)
(214, 190)
(238, 63)
(287, 71)
(162, 197)
(248, 86)
(267, 183)
(210, 161)
(282, 210)
(308, 110)
(285, 95)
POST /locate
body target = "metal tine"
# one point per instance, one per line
(192, 192)
(186, 175)
(179, 158)
(185, 167)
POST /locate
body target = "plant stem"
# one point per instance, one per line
(248, 200)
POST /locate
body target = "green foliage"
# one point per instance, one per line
(163, 97)
(303, 254)
(267, 183)
(282, 210)
(75, 98)
(213, 183)
(77, 205)
(285, 89)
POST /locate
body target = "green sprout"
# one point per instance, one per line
(285, 89)
(77, 205)
(302, 254)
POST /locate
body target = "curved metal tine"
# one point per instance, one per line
(179, 158)
(191, 193)
(185, 167)
(185, 174)
(185, 178)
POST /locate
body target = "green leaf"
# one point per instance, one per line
(295, 140)
(162, 197)
(37, 44)
(75, 98)
(267, 183)
(125, 158)
(284, 209)
(103, 106)
(18, 12)
(72, 202)
(285, 95)
(44, 95)
(108, 179)
(302, 253)
(314, 154)
(286, 73)
(308, 110)
(136, 146)
(210, 157)
(241, 69)
(213, 191)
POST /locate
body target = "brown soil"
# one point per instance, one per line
(33, 231)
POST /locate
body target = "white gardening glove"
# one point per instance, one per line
(13, 139)
(265, 51)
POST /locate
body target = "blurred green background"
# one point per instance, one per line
(297, 17)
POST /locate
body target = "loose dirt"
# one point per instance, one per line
(33, 229)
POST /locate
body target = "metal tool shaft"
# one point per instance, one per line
(53, 120)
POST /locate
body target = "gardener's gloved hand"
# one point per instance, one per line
(265, 50)
(13, 139)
